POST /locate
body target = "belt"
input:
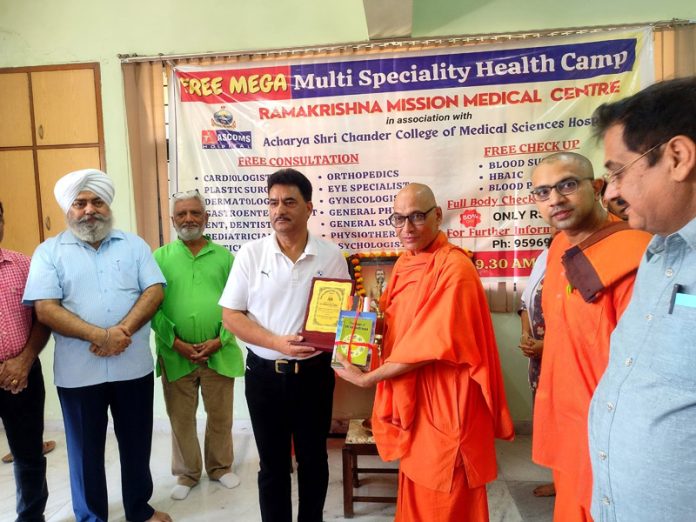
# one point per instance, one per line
(288, 366)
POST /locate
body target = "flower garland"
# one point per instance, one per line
(355, 265)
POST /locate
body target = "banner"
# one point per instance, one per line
(471, 122)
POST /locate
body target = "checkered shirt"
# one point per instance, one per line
(15, 318)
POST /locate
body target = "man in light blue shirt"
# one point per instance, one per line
(97, 289)
(643, 414)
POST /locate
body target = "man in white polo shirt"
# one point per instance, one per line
(264, 304)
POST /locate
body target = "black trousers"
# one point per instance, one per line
(291, 408)
(23, 417)
(85, 414)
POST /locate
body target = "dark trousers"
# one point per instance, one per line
(285, 409)
(23, 417)
(85, 413)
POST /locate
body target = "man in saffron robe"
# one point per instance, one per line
(440, 400)
(590, 271)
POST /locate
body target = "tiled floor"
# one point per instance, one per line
(510, 497)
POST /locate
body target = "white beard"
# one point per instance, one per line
(91, 232)
(189, 233)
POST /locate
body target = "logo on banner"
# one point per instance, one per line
(470, 218)
(225, 139)
(223, 118)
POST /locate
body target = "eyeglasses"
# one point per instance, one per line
(416, 218)
(564, 187)
(613, 175)
(186, 194)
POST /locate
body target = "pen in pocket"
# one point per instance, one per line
(675, 290)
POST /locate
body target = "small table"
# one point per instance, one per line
(359, 441)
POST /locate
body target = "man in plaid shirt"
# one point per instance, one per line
(22, 391)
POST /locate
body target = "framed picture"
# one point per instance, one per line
(371, 274)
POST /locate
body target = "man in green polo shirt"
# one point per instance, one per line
(194, 351)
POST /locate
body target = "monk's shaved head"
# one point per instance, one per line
(582, 165)
(419, 192)
(417, 201)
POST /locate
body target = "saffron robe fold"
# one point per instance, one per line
(576, 350)
(446, 412)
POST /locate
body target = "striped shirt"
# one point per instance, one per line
(15, 318)
(642, 421)
(99, 286)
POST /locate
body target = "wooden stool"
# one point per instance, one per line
(359, 441)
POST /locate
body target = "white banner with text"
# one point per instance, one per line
(469, 121)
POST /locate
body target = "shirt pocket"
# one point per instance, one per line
(14, 298)
(124, 275)
(674, 358)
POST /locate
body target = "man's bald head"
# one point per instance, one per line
(419, 192)
(581, 165)
(417, 201)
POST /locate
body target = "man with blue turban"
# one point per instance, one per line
(97, 289)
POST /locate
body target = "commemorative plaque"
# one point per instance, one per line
(327, 298)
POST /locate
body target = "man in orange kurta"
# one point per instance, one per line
(589, 279)
(440, 400)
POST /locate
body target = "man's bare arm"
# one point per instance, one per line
(52, 313)
(144, 308)
(14, 372)
(110, 341)
(249, 331)
(104, 341)
(38, 337)
(140, 313)
(388, 370)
